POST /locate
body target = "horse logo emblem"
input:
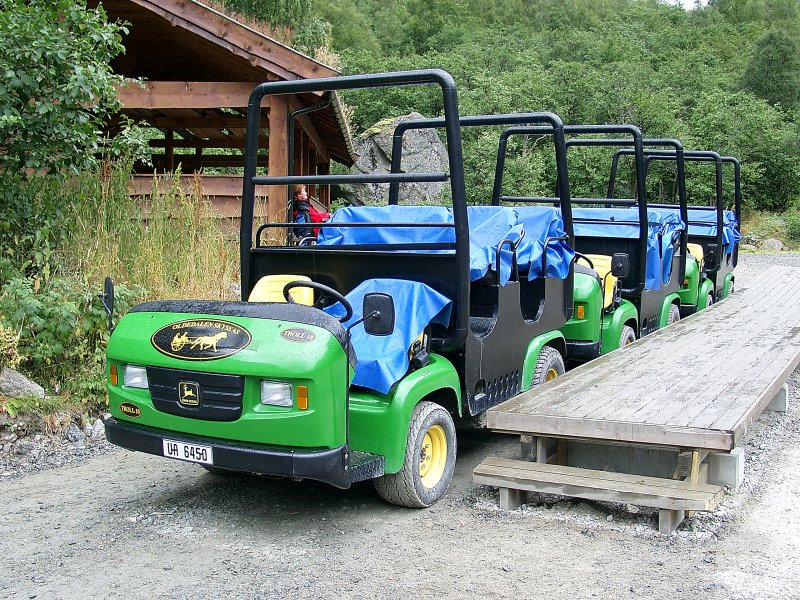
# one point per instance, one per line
(201, 339)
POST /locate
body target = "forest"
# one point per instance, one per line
(725, 76)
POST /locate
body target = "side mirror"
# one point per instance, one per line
(620, 265)
(710, 258)
(378, 311)
(107, 299)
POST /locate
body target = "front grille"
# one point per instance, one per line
(207, 396)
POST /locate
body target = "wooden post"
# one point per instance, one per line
(169, 151)
(278, 159)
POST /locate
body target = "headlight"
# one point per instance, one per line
(135, 377)
(276, 393)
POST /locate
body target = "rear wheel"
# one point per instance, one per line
(730, 288)
(429, 460)
(674, 314)
(627, 336)
(549, 365)
(709, 299)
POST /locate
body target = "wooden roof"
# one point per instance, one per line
(177, 44)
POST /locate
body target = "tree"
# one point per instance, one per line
(56, 85)
(773, 71)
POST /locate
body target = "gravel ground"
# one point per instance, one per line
(88, 520)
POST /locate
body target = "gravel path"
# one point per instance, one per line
(92, 521)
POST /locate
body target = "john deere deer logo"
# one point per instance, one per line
(188, 393)
(201, 339)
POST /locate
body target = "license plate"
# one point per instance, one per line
(189, 452)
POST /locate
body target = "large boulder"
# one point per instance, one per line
(16, 385)
(423, 152)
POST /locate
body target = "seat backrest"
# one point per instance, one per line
(270, 289)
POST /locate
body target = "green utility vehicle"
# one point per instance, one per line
(350, 357)
(601, 320)
(635, 252)
(712, 233)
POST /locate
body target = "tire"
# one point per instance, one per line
(627, 336)
(549, 365)
(674, 314)
(709, 299)
(429, 462)
(730, 288)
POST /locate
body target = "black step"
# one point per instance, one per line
(364, 465)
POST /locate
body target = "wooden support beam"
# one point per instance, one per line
(199, 143)
(311, 131)
(185, 94)
(278, 157)
(207, 122)
(169, 151)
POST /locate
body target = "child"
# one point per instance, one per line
(304, 212)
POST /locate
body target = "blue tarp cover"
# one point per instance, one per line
(703, 221)
(540, 223)
(661, 239)
(488, 225)
(383, 360)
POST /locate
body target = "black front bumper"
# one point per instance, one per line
(329, 466)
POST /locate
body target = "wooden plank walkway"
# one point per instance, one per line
(699, 383)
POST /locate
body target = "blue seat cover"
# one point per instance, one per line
(541, 223)
(383, 360)
(488, 225)
(661, 230)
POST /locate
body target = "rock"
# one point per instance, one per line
(10, 437)
(98, 429)
(87, 429)
(632, 508)
(74, 434)
(772, 245)
(16, 385)
(27, 447)
(748, 247)
(423, 152)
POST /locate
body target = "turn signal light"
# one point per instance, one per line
(113, 375)
(302, 397)
(580, 311)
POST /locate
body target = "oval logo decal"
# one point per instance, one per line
(129, 409)
(201, 339)
(298, 335)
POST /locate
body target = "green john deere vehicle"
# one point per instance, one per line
(350, 356)
(712, 233)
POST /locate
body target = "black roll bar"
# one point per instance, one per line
(524, 120)
(636, 139)
(698, 156)
(347, 82)
(528, 120)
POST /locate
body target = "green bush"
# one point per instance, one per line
(62, 333)
(792, 219)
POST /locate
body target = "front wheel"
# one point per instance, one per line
(549, 365)
(730, 288)
(429, 462)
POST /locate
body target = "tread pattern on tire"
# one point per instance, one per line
(548, 358)
(625, 333)
(399, 488)
(674, 314)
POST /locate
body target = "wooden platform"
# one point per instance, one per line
(672, 497)
(697, 384)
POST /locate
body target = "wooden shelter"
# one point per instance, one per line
(199, 67)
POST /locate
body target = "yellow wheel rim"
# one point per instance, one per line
(551, 374)
(628, 341)
(432, 456)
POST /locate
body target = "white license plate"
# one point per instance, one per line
(189, 452)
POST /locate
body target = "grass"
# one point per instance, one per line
(758, 226)
(172, 246)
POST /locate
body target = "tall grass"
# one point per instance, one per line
(172, 245)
